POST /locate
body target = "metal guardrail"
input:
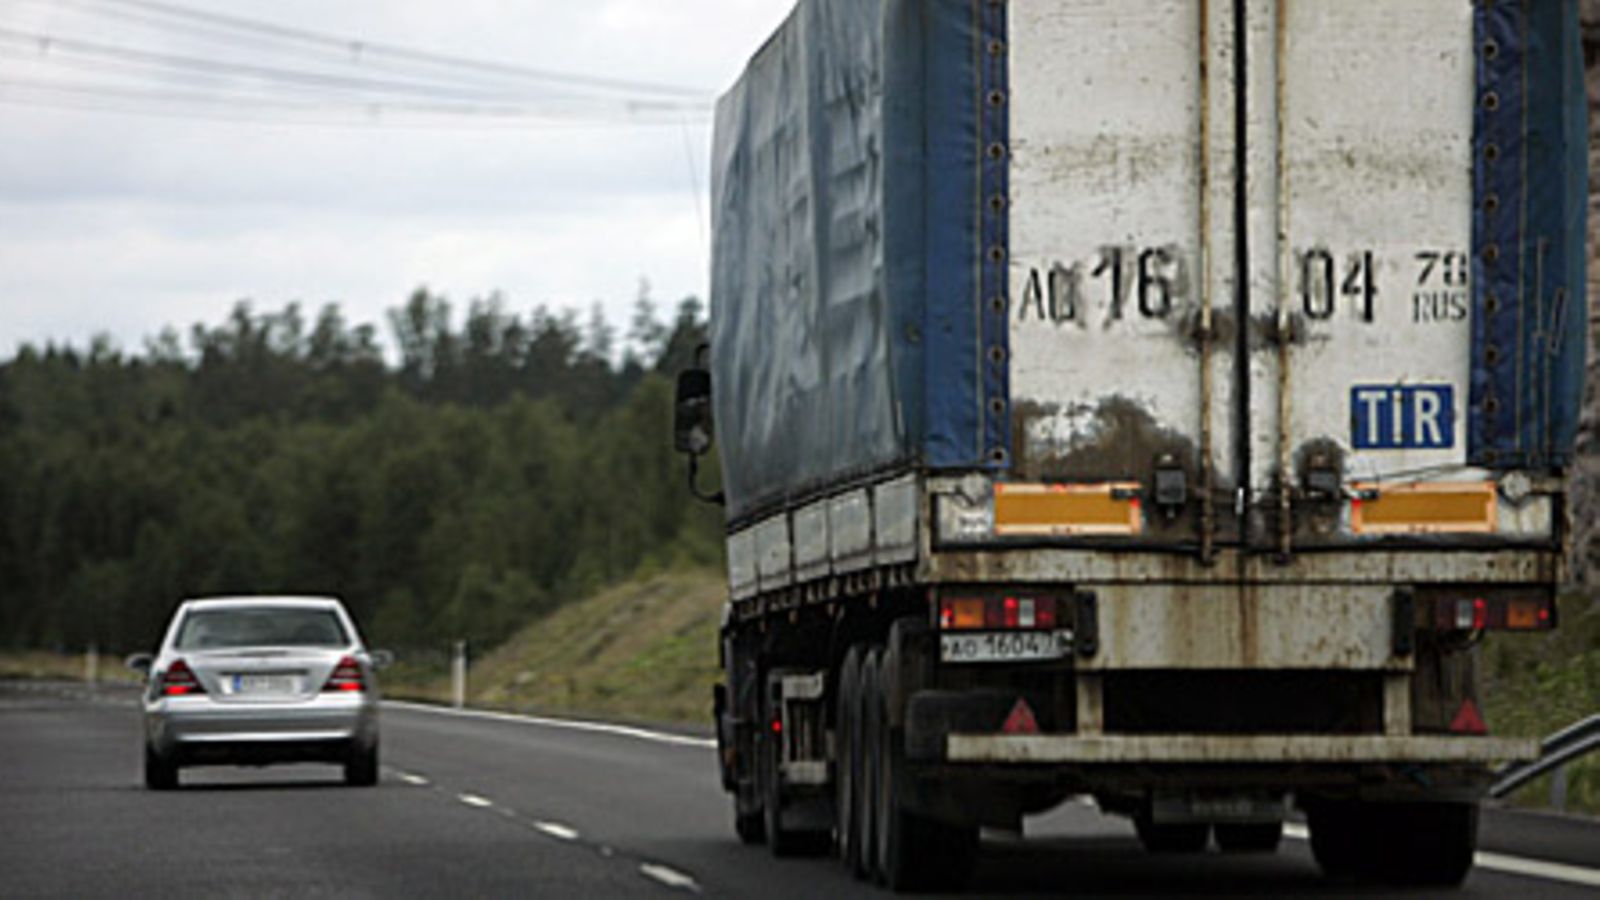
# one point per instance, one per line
(1555, 751)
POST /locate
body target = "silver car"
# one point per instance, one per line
(260, 680)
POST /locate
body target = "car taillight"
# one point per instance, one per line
(346, 676)
(1002, 612)
(179, 680)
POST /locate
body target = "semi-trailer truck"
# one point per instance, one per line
(1158, 401)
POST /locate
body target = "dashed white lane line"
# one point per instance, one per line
(557, 830)
(1500, 862)
(417, 780)
(644, 734)
(1538, 868)
(475, 800)
(668, 876)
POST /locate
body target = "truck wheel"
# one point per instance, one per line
(866, 788)
(1428, 844)
(1256, 837)
(159, 774)
(912, 852)
(782, 840)
(1172, 838)
(848, 757)
(1342, 839)
(751, 827)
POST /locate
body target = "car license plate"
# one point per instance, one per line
(264, 684)
(1005, 646)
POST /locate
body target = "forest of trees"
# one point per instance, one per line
(490, 472)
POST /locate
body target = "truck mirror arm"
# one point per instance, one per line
(694, 483)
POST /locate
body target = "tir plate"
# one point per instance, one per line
(1005, 646)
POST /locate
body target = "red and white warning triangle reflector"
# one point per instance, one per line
(1468, 720)
(1021, 720)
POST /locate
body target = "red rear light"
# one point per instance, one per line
(1008, 612)
(1044, 612)
(179, 680)
(1499, 611)
(346, 676)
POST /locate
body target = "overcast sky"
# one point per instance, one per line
(121, 223)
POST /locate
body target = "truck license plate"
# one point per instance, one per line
(1005, 646)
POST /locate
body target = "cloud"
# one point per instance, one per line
(126, 224)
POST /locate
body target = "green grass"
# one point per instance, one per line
(645, 650)
(1534, 684)
(39, 665)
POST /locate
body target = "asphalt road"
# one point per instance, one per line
(476, 805)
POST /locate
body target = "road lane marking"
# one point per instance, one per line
(668, 876)
(417, 780)
(557, 830)
(475, 800)
(1538, 868)
(644, 734)
(1500, 862)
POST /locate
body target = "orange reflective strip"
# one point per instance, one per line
(1424, 508)
(1066, 509)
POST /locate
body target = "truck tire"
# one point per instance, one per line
(1187, 837)
(1343, 841)
(751, 827)
(782, 840)
(912, 852)
(867, 792)
(1428, 844)
(1256, 837)
(159, 774)
(847, 766)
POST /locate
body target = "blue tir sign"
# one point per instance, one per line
(1402, 417)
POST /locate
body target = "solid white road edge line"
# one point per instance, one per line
(475, 800)
(644, 734)
(1500, 862)
(557, 830)
(668, 876)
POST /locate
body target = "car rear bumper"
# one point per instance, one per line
(200, 729)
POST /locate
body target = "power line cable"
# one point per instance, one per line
(358, 49)
(211, 105)
(47, 44)
(210, 34)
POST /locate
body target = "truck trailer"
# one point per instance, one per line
(1158, 401)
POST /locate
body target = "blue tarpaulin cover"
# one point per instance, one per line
(858, 275)
(1531, 193)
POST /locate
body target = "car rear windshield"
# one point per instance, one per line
(265, 626)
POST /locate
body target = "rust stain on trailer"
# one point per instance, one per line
(1116, 439)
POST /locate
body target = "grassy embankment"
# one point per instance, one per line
(39, 665)
(645, 650)
(1535, 684)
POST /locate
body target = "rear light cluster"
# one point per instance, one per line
(346, 676)
(179, 680)
(1012, 611)
(1491, 613)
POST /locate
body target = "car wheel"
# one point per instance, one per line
(361, 767)
(159, 774)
